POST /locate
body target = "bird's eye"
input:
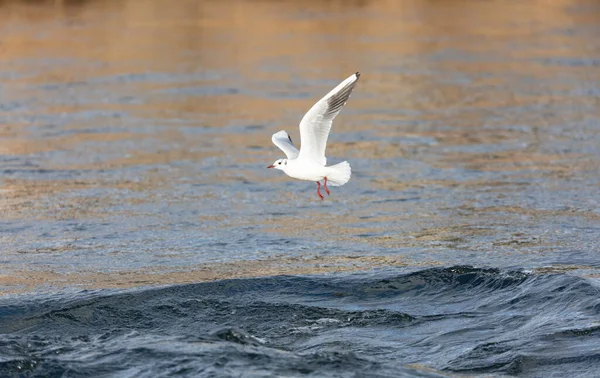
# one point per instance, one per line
(279, 163)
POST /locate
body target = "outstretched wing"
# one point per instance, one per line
(283, 140)
(316, 124)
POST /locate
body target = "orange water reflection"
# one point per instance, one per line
(450, 75)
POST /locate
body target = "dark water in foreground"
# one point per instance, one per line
(454, 320)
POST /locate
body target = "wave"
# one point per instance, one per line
(451, 320)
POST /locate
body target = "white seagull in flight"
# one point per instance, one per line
(309, 163)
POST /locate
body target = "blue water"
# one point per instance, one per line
(458, 320)
(142, 235)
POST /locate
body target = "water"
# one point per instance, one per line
(142, 235)
(458, 319)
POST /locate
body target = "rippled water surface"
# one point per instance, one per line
(134, 137)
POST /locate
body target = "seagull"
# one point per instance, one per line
(309, 162)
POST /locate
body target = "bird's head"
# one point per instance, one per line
(279, 164)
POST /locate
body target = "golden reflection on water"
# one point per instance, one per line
(27, 280)
(299, 45)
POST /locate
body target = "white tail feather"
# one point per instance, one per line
(339, 174)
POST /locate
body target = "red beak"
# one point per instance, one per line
(271, 166)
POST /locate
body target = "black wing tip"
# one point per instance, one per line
(357, 74)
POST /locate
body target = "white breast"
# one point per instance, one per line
(304, 170)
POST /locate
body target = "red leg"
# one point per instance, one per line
(326, 189)
(319, 191)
